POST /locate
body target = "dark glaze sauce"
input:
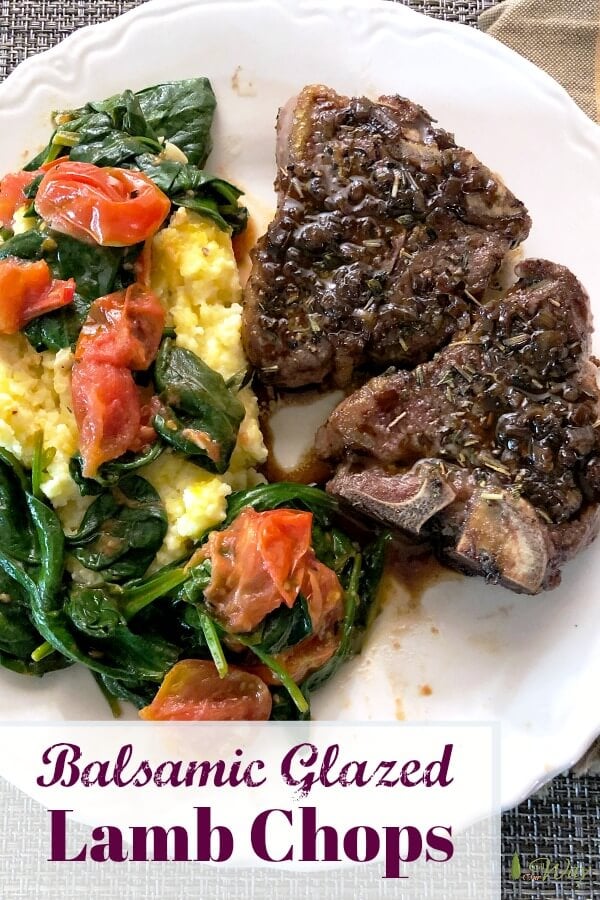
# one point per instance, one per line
(415, 568)
(310, 468)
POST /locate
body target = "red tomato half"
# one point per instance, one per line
(107, 408)
(12, 191)
(123, 329)
(12, 194)
(193, 690)
(265, 559)
(324, 594)
(108, 206)
(27, 290)
(121, 333)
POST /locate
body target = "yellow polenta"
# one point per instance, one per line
(195, 276)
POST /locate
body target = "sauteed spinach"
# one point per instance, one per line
(130, 630)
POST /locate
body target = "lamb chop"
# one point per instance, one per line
(385, 237)
(491, 449)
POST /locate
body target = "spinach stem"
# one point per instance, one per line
(37, 462)
(65, 139)
(141, 596)
(351, 604)
(42, 652)
(214, 644)
(285, 678)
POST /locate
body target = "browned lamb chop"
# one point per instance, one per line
(385, 237)
(492, 448)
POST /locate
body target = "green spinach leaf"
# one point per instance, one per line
(288, 494)
(94, 611)
(284, 709)
(285, 627)
(111, 472)
(28, 245)
(18, 637)
(188, 186)
(121, 531)
(138, 692)
(182, 112)
(17, 536)
(115, 131)
(200, 416)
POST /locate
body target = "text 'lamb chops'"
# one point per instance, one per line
(492, 448)
(386, 234)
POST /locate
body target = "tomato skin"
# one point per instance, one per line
(12, 191)
(265, 559)
(193, 691)
(149, 406)
(143, 265)
(106, 404)
(121, 334)
(12, 194)
(253, 563)
(324, 594)
(302, 659)
(123, 329)
(27, 290)
(103, 205)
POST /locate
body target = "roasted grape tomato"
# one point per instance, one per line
(193, 690)
(27, 290)
(107, 206)
(264, 559)
(107, 408)
(123, 329)
(12, 195)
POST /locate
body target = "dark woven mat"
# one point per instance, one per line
(562, 823)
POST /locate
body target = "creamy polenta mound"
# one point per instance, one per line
(194, 274)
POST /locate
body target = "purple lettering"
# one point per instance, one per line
(123, 759)
(437, 771)
(305, 755)
(438, 842)
(110, 845)
(168, 773)
(401, 845)
(96, 772)
(310, 833)
(359, 778)
(160, 844)
(371, 844)
(387, 767)
(205, 838)
(58, 838)
(408, 769)
(258, 835)
(66, 755)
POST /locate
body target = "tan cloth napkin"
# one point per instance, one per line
(560, 36)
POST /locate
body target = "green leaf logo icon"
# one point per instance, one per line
(515, 868)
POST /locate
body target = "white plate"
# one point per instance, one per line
(531, 663)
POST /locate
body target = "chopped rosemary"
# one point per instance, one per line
(397, 419)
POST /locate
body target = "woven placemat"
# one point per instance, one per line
(560, 824)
